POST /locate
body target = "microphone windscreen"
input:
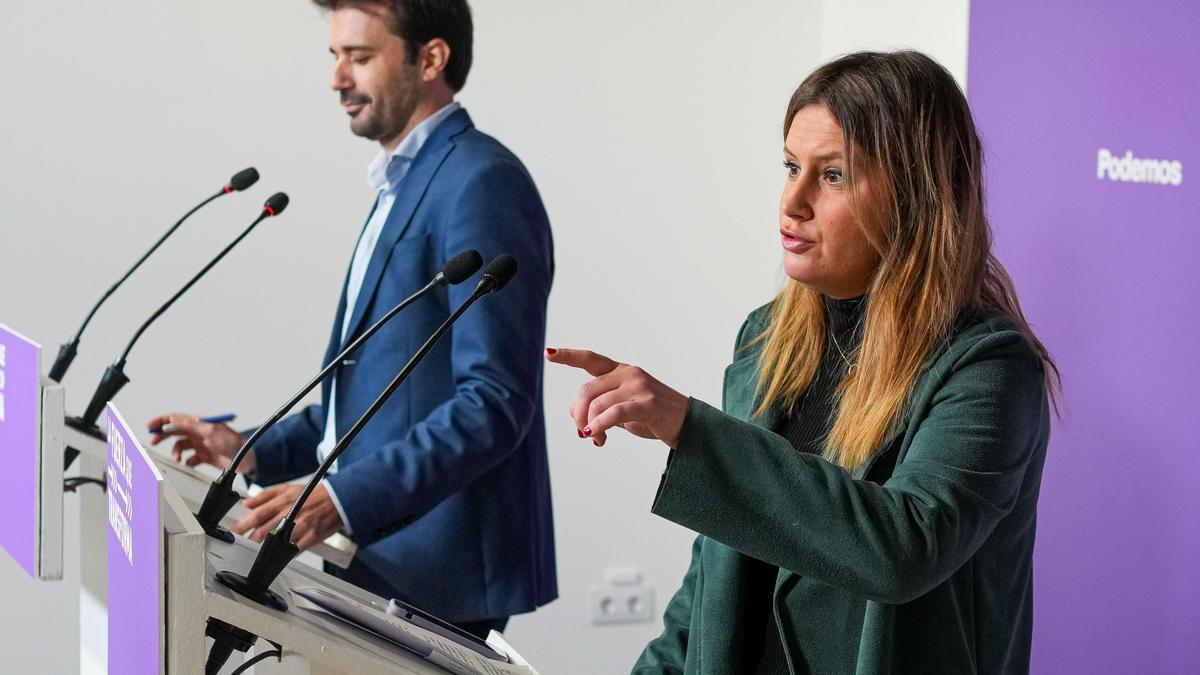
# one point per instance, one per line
(276, 203)
(501, 269)
(460, 268)
(243, 179)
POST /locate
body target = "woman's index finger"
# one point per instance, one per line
(595, 364)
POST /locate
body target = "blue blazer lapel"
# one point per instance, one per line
(412, 190)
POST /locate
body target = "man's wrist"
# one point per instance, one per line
(338, 506)
(248, 463)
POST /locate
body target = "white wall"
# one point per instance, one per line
(652, 130)
(936, 27)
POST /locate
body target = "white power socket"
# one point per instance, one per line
(622, 598)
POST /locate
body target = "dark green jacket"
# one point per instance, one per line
(928, 546)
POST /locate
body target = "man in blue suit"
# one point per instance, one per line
(446, 490)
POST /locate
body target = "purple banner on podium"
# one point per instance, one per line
(20, 392)
(135, 557)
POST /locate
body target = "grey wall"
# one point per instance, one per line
(651, 128)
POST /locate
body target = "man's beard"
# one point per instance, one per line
(386, 119)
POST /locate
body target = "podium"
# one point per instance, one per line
(148, 594)
(35, 434)
(164, 597)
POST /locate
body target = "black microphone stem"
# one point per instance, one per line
(366, 417)
(67, 352)
(278, 415)
(221, 496)
(114, 377)
(141, 260)
(277, 548)
(263, 216)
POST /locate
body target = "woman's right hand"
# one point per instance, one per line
(621, 395)
(214, 444)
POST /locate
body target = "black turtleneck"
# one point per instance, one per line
(806, 426)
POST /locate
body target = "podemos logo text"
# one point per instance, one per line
(1130, 169)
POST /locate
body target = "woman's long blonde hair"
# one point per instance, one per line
(906, 125)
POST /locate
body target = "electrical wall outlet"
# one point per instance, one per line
(622, 598)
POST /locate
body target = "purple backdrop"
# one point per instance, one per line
(1072, 98)
(19, 392)
(135, 556)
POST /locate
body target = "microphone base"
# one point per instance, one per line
(276, 552)
(215, 531)
(66, 354)
(84, 427)
(242, 586)
(78, 424)
(111, 382)
(217, 501)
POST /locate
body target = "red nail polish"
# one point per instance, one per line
(579, 432)
(596, 443)
(551, 351)
(587, 431)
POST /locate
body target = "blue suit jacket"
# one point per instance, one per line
(447, 488)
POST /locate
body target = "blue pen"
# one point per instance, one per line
(215, 419)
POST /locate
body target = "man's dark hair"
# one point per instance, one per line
(419, 21)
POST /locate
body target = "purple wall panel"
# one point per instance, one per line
(1107, 271)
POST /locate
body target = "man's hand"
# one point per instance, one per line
(317, 520)
(214, 444)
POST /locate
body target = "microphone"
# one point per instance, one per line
(221, 496)
(277, 548)
(66, 352)
(114, 376)
(497, 275)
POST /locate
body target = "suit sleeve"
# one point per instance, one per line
(748, 488)
(288, 450)
(668, 652)
(496, 356)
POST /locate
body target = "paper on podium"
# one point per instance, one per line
(430, 646)
(496, 641)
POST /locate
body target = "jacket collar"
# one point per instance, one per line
(408, 197)
(742, 398)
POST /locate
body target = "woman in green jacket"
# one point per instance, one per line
(866, 502)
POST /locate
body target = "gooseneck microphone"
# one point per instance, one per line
(278, 549)
(114, 376)
(66, 352)
(221, 496)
